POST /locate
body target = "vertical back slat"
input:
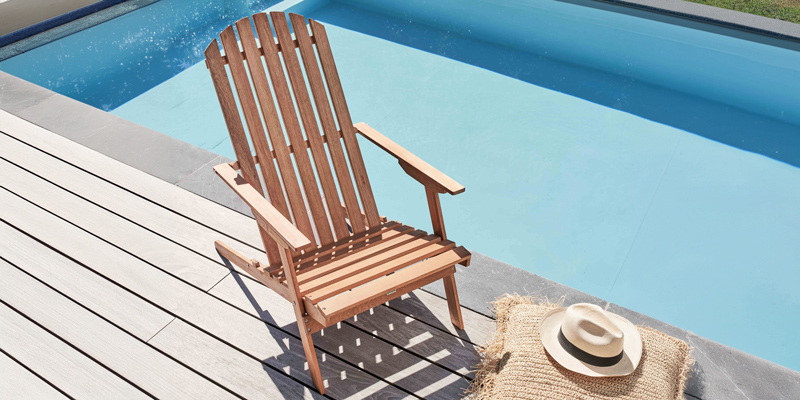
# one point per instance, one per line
(259, 139)
(262, 88)
(325, 115)
(238, 137)
(292, 125)
(345, 123)
(307, 114)
(231, 115)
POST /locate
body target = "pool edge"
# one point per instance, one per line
(44, 32)
(719, 16)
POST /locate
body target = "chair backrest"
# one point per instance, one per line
(313, 202)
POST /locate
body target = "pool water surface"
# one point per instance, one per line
(667, 184)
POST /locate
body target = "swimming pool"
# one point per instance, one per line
(648, 163)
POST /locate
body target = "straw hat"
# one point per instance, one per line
(588, 340)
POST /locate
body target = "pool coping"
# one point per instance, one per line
(44, 32)
(720, 371)
(715, 15)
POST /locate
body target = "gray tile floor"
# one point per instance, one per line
(721, 372)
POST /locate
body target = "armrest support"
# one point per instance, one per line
(413, 165)
(278, 227)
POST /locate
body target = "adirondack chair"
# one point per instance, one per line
(331, 259)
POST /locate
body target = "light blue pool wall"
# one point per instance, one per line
(651, 212)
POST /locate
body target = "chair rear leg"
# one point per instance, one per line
(452, 301)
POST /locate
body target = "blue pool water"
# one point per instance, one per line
(107, 65)
(648, 163)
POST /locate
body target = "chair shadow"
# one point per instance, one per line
(410, 304)
(385, 363)
(731, 126)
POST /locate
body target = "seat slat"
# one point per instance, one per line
(371, 295)
(347, 251)
(333, 276)
(345, 123)
(380, 265)
(344, 244)
(318, 270)
(280, 147)
(238, 137)
(344, 247)
(320, 96)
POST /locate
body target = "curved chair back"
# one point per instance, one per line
(309, 159)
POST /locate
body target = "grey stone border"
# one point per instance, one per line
(721, 372)
(719, 16)
(71, 27)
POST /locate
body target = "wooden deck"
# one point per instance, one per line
(111, 288)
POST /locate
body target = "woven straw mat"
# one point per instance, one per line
(516, 366)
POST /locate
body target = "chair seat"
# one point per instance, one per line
(364, 270)
(383, 289)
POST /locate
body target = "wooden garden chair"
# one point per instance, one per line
(330, 259)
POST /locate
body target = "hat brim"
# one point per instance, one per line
(631, 348)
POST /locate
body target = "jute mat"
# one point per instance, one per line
(516, 366)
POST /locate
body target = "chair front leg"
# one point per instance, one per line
(437, 220)
(452, 300)
(302, 320)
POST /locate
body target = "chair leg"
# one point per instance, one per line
(311, 358)
(302, 321)
(452, 301)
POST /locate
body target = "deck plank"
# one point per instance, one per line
(158, 219)
(153, 189)
(117, 350)
(171, 257)
(17, 383)
(259, 340)
(63, 366)
(139, 318)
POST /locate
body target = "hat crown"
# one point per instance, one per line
(590, 328)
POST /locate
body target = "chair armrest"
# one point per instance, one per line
(413, 165)
(278, 227)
